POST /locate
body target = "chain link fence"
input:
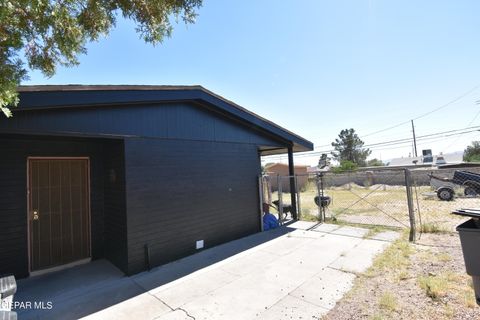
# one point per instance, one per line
(419, 199)
(438, 192)
(362, 197)
(369, 198)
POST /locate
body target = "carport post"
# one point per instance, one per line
(293, 189)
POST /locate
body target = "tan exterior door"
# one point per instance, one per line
(59, 211)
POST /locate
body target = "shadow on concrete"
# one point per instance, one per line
(86, 289)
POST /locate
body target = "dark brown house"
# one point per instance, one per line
(139, 175)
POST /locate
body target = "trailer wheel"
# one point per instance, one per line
(470, 191)
(445, 194)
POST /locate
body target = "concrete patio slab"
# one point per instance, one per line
(249, 264)
(290, 308)
(75, 292)
(326, 288)
(287, 245)
(176, 315)
(302, 225)
(386, 236)
(286, 273)
(324, 227)
(196, 287)
(81, 277)
(306, 234)
(361, 257)
(350, 231)
(143, 306)
(241, 299)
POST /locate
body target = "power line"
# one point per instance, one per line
(394, 143)
(422, 115)
(469, 124)
(386, 129)
(448, 103)
(426, 113)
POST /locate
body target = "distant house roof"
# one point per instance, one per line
(96, 96)
(450, 158)
(407, 161)
(283, 165)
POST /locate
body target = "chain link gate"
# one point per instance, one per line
(382, 198)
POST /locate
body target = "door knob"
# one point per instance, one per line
(35, 215)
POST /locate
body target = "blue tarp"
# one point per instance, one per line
(269, 221)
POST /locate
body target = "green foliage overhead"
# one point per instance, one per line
(345, 165)
(375, 163)
(348, 146)
(46, 33)
(472, 153)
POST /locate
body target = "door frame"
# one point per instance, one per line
(89, 217)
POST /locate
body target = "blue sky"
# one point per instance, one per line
(315, 67)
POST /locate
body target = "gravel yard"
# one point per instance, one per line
(426, 280)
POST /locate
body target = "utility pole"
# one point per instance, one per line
(414, 140)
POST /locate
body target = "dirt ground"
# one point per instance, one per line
(426, 280)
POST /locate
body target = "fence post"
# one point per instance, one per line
(269, 189)
(297, 193)
(280, 199)
(411, 212)
(293, 187)
(261, 194)
(317, 182)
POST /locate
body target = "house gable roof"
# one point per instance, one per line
(70, 96)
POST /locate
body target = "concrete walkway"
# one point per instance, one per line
(295, 272)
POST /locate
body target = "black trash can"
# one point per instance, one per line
(469, 232)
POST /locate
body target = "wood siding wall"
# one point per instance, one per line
(14, 151)
(182, 191)
(190, 174)
(167, 121)
(114, 206)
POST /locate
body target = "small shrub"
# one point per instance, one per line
(402, 275)
(432, 227)
(388, 302)
(469, 299)
(394, 257)
(373, 231)
(444, 257)
(435, 287)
